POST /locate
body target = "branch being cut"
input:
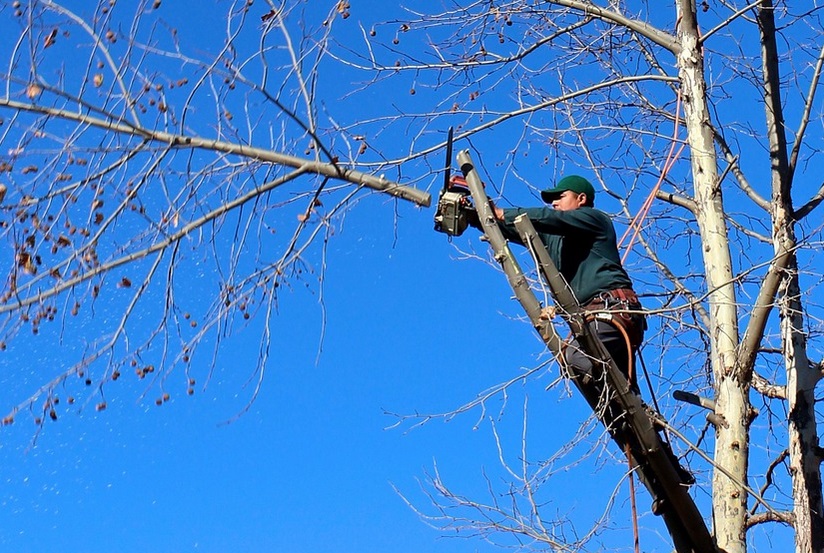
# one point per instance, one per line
(332, 170)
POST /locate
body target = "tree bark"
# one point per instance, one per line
(732, 402)
(805, 468)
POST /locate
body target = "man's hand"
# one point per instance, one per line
(497, 211)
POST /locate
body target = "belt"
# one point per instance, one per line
(624, 295)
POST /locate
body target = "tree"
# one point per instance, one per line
(117, 180)
(625, 69)
(112, 166)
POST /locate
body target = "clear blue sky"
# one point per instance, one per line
(317, 463)
(311, 467)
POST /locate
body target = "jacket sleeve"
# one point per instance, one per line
(508, 225)
(546, 220)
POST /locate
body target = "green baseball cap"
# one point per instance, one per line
(576, 184)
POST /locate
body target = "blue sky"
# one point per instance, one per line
(405, 323)
(311, 466)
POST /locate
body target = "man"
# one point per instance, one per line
(581, 242)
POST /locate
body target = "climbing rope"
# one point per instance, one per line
(638, 220)
(635, 227)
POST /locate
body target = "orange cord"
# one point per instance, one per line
(637, 221)
(635, 228)
(632, 500)
(636, 538)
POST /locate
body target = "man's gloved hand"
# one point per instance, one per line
(472, 218)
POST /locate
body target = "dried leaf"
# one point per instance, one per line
(33, 91)
(24, 261)
(97, 79)
(50, 39)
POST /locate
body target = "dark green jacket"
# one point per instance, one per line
(581, 243)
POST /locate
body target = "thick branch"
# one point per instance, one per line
(807, 208)
(767, 388)
(331, 170)
(784, 517)
(644, 29)
(677, 199)
(760, 312)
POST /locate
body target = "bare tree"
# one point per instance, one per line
(136, 164)
(131, 157)
(603, 85)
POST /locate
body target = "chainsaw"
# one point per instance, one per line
(454, 201)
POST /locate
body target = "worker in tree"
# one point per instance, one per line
(581, 242)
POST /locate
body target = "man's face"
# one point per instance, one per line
(569, 200)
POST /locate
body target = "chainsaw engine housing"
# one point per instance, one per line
(450, 217)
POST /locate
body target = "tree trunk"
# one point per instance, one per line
(805, 467)
(732, 402)
(803, 435)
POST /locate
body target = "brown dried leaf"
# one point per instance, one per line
(97, 79)
(24, 261)
(33, 91)
(50, 39)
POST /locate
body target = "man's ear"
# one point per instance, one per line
(581, 199)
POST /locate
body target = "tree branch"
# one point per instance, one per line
(677, 199)
(805, 118)
(784, 517)
(156, 247)
(727, 21)
(767, 388)
(332, 170)
(657, 36)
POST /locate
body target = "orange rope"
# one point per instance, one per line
(637, 221)
(630, 379)
(636, 538)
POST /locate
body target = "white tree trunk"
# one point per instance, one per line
(732, 402)
(803, 435)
